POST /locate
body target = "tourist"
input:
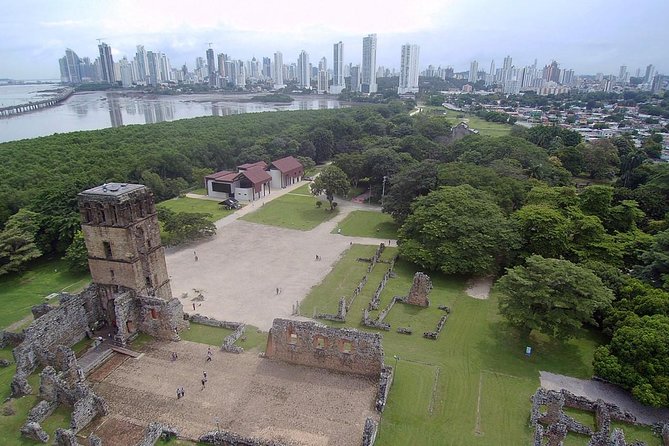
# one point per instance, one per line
(204, 373)
(193, 306)
(204, 382)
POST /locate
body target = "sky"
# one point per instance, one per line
(590, 36)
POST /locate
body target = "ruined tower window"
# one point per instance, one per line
(292, 339)
(154, 313)
(148, 281)
(346, 347)
(111, 271)
(320, 343)
(108, 251)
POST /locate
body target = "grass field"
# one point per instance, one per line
(194, 205)
(19, 292)
(291, 211)
(486, 128)
(470, 387)
(368, 224)
(205, 334)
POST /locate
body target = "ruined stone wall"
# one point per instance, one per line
(420, 290)
(369, 432)
(65, 324)
(225, 438)
(159, 318)
(156, 431)
(385, 382)
(315, 345)
(8, 338)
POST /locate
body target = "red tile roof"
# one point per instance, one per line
(257, 175)
(248, 166)
(287, 164)
(219, 175)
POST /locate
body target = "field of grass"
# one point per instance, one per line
(199, 191)
(486, 128)
(472, 386)
(291, 211)
(19, 292)
(194, 205)
(205, 334)
(368, 224)
(302, 190)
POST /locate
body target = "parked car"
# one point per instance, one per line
(230, 203)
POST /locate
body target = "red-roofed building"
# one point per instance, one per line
(254, 180)
(286, 171)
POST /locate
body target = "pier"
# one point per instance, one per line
(37, 105)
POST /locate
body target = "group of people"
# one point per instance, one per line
(180, 390)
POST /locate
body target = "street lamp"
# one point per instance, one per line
(383, 191)
(397, 358)
(218, 424)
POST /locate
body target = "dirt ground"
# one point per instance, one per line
(239, 270)
(250, 395)
(479, 288)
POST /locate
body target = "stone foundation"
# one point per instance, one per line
(225, 438)
(420, 290)
(369, 434)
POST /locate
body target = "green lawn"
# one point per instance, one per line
(302, 190)
(486, 128)
(368, 224)
(291, 211)
(194, 205)
(199, 191)
(470, 387)
(19, 292)
(205, 334)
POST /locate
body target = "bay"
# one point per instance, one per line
(99, 110)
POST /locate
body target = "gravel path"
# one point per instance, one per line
(479, 288)
(595, 390)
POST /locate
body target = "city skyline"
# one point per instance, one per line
(448, 32)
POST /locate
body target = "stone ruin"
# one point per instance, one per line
(551, 425)
(63, 383)
(420, 290)
(315, 345)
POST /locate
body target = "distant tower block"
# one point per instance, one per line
(420, 289)
(122, 236)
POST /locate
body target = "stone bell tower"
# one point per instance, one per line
(127, 259)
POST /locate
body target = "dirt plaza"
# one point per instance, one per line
(244, 393)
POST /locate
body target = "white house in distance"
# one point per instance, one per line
(254, 180)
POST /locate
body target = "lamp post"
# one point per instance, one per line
(397, 358)
(383, 191)
(218, 424)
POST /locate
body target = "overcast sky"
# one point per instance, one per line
(589, 36)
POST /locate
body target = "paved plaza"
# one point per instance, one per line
(240, 269)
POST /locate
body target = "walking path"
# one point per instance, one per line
(240, 269)
(595, 390)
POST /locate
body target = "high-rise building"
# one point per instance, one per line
(106, 63)
(409, 69)
(338, 82)
(368, 69)
(322, 82)
(126, 73)
(623, 75)
(211, 68)
(473, 72)
(277, 75)
(266, 67)
(153, 68)
(142, 64)
(355, 79)
(221, 57)
(70, 68)
(303, 73)
(650, 74)
(323, 64)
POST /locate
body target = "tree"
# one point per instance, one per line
(413, 181)
(183, 227)
(76, 255)
(331, 181)
(655, 268)
(544, 230)
(553, 296)
(323, 141)
(456, 230)
(352, 164)
(638, 359)
(17, 241)
(600, 159)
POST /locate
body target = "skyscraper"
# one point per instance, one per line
(338, 83)
(409, 69)
(211, 68)
(473, 72)
(322, 82)
(650, 74)
(142, 64)
(266, 67)
(277, 75)
(622, 75)
(368, 71)
(106, 63)
(153, 68)
(303, 75)
(221, 64)
(355, 78)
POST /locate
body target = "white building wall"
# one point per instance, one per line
(242, 194)
(276, 178)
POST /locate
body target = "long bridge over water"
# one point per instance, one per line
(37, 105)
